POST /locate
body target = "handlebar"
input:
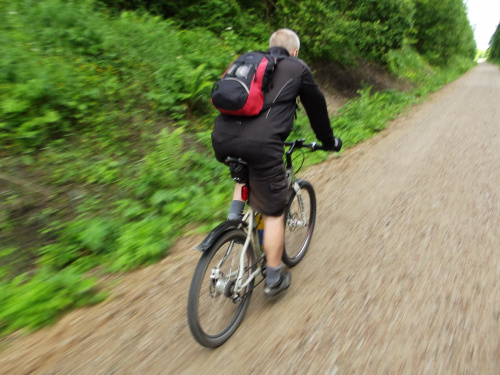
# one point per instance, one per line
(295, 145)
(299, 143)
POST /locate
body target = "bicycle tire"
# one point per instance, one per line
(213, 317)
(298, 234)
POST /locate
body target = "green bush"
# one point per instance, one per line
(49, 89)
(494, 50)
(30, 302)
(408, 64)
(383, 25)
(173, 185)
(79, 66)
(442, 31)
(327, 37)
(214, 15)
(345, 30)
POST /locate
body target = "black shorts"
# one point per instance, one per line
(261, 147)
(268, 190)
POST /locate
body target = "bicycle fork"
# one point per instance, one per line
(293, 221)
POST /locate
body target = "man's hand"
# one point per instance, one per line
(336, 145)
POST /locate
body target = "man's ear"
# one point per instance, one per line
(295, 53)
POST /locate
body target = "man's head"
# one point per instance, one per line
(287, 39)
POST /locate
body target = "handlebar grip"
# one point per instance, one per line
(335, 147)
(313, 146)
(316, 146)
(338, 145)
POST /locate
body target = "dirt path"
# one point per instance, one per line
(403, 275)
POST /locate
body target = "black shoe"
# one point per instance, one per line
(271, 292)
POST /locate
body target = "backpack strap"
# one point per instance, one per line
(277, 59)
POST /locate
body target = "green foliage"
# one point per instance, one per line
(361, 118)
(162, 193)
(8, 257)
(349, 29)
(481, 55)
(48, 93)
(339, 30)
(30, 302)
(407, 63)
(142, 242)
(494, 50)
(67, 68)
(214, 15)
(345, 30)
(383, 25)
(168, 8)
(443, 31)
(326, 37)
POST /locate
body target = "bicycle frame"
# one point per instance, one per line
(253, 237)
(252, 234)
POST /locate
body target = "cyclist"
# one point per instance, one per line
(259, 141)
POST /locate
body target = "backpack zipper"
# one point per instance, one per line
(237, 80)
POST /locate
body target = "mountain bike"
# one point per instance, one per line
(233, 261)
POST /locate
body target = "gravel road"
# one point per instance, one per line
(402, 277)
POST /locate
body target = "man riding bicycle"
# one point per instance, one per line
(258, 140)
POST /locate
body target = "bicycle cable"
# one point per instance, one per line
(303, 160)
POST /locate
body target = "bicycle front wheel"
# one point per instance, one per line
(214, 310)
(300, 217)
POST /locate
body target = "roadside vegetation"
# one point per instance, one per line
(493, 53)
(105, 121)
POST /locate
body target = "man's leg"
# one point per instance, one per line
(237, 204)
(237, 192)
(274, 238)
(269, 194)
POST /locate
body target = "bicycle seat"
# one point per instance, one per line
(238, 168)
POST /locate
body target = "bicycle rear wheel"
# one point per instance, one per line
(214, 313)
(300, 217)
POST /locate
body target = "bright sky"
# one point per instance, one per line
(484, 16)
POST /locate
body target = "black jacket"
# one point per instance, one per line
(259, 139)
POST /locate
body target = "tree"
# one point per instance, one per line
(494, 50)
(443, 31)
(383, 24)
(343, 30)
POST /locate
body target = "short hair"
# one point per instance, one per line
(285, 38)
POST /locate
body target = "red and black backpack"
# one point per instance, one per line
(240, 91)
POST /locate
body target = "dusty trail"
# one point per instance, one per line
(403, 275)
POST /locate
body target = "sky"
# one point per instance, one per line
(484, 16)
